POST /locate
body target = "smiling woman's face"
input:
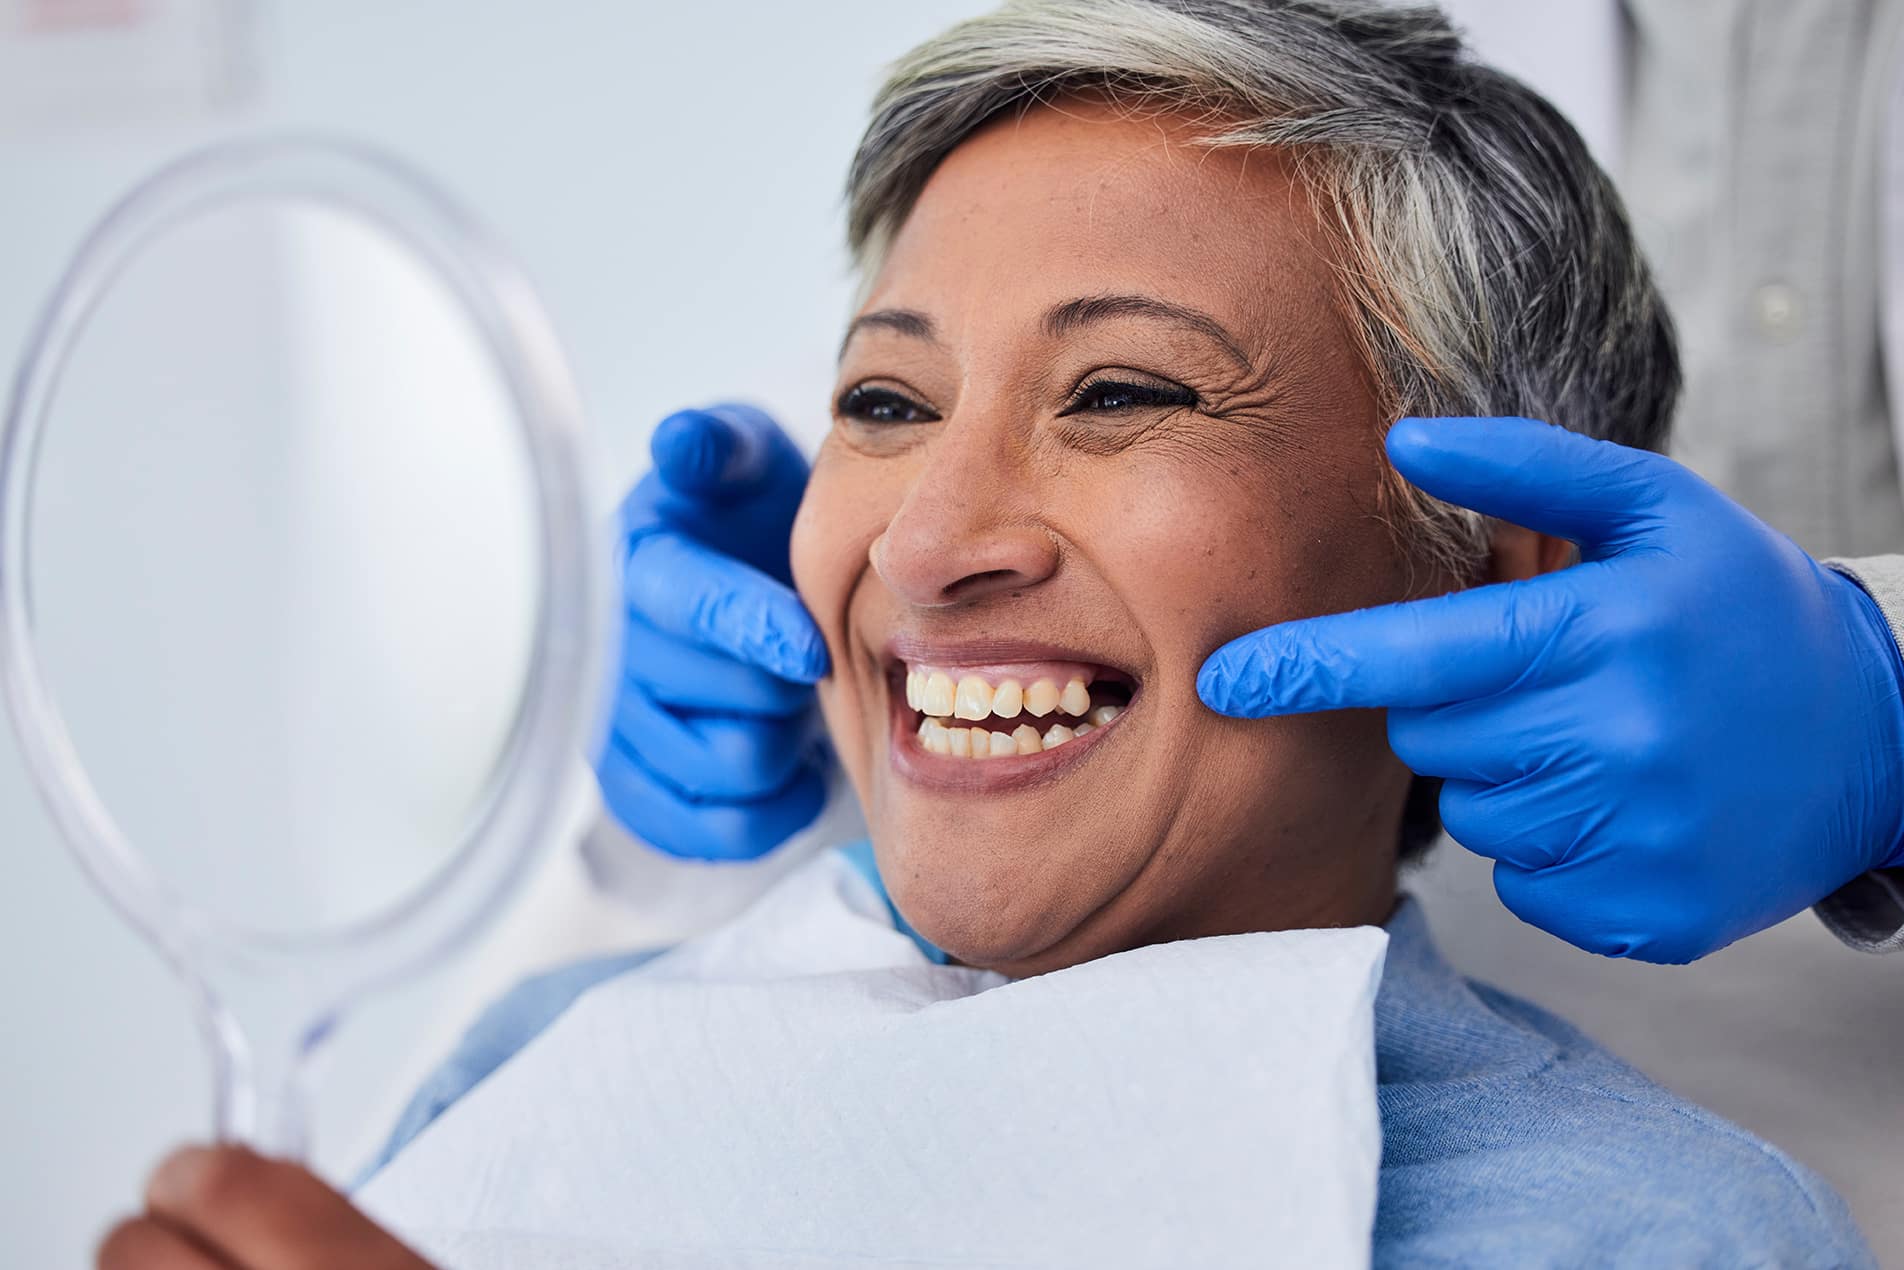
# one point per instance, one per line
(1100, 413)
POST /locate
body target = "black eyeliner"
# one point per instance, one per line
(856, 403)
(1141, 396)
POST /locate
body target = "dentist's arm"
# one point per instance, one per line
(1688, 736)
(712, 752)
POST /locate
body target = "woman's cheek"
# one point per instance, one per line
(1213, 550)
(839, 519)
(833, 533)
(820, 552)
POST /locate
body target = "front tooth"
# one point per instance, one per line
(933, 736)
(1002, 744)
(1076, 698)
(1057, 735)
(1104, 714)
(1026, 738)
(959, 741)
(1082, 728)
(974, 699)
(936, 696)
(1041, 698)
(914, 689)
(1008, 700)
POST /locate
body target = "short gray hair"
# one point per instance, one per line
(1487, 258)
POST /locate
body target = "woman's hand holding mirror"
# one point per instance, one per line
(228, 1208)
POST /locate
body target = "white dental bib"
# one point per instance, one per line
(804, 1088)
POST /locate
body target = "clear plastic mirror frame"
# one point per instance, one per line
(266, 1002)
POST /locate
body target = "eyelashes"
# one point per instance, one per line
(869, 403)
(1114, 396)
(882, 406)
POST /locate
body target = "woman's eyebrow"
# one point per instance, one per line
(909, 322)
(1073, 314)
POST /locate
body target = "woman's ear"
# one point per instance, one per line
(1517, 553)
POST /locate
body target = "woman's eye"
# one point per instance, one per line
(1110, 396)
(882, 405)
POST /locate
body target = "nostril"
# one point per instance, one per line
(932, 557)
(975, 584)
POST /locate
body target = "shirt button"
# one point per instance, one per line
(1778, 310)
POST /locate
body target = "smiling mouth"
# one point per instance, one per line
(1005, 713)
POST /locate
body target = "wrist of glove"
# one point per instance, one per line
(1880, 670)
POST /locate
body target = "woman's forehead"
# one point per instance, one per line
(1084, 200)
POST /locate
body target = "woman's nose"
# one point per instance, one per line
(966, 530)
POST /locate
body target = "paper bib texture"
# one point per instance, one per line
(804, 1089)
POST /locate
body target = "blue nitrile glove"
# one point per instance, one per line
(712, 752)
(1692, 734)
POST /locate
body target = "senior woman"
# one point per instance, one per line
(1145, 287)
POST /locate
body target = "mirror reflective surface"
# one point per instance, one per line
(300, 603)
(285, 558)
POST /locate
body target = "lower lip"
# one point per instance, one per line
(920, 766)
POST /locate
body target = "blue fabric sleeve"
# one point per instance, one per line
(497, 1035)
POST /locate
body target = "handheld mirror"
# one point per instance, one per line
(298, 593)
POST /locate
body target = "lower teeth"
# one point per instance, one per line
(936, 738)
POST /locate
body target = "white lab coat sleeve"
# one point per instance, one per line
(1868, 912)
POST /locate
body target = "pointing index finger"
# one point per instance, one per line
(1413, 654)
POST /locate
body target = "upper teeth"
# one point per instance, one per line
(973, 699)
(935, 692)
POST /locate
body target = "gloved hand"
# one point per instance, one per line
(712, 752)
(1688, 736)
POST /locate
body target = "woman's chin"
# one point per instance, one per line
(995, 896)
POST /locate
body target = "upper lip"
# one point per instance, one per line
(915, 650)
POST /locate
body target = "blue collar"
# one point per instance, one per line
(860, 856)
(1411, 950)
(1431, 1024)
